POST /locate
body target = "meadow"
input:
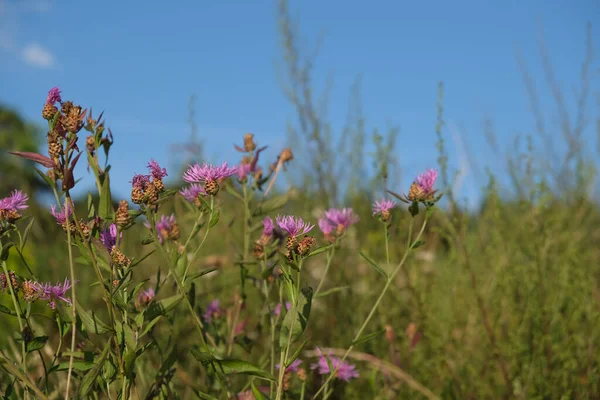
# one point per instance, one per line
(222, 284)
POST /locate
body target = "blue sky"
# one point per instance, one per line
(140, 62)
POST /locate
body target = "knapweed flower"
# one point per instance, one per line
(12, 278)
(63, 215)
(53, 96)
(277, 309)
(212, 311)
(52, 293)
(266, 237)
(243, 170)
(208, 175)
(345, 372)
(108, 237)
(144, 298)
(335, 221)
(268, 227)
(293, 226)
(192, 192)
(293, 367)
(146, 188)
(11, 205)
(166, 228)
(422, 188)
(382, 208)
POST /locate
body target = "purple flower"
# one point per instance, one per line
(325, 226)
(383, 206)
(243, 170)
(293, 367)
(61, 216)
(16, 201)
(294, 226)
(53, 95)
(145, 297)
(156, 171)
(207, 172)
(192, 192)
(108, 237)
(277, 309)
(268, 226)
(163, 226)
(51, 293)
(426, 180)
(140, 181)
(345, 372)
(212, 311)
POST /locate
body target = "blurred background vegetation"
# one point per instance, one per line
(503, 301)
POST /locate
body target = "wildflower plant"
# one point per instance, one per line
(149, 314)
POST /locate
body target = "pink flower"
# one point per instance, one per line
(192, 192)
(51, 293)
(53, 96)
(268, 227)
(164, 226)
(61, 216)
(16, 201)
(337, 219)
(383, 206)
(108, 237)
(345, 372)
(140, 181)
(206, 172)
(294, 226)
(293, 367)
(243, 170)
(156, 171)
(426, 180)
(212, 311)
(277, 309)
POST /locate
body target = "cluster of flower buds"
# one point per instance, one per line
(63, 218)
(270, 235)
(147, 188)
(295, 227)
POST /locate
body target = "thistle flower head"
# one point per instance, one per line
(108, 237)
(208, 172)
(338, 219)
(293, 367)
(243, 170)
(17, 200)
(166, 228)
(212, 311)
(144, 298)
(426, 180)
(325, 226)
(192, 192)
(61, 216)
(156, 171)
(268, 227)
(52, 293)
(345, 372)
(293, 226)
(53, 96)
(140, 181)
(383, 206)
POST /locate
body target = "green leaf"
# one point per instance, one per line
(201, 273)
(150, 326)
(5, 249)
(36, 343)
(91, 322)
(232, 192)
(319, 250)
(202, 357)
(414, 208)
(368, 337)
(25, 234)
(105, 210)
(296, 319)
(258, 395)
(161, 307)
(215, 218)
(130, 338)
(373, 264)
(45, 178)
(129, 362)
(139, 260)
(90, 378)
(78, 365)
(7, 310)
(332, 290)
(416, 244)
(205, 396)
(296, 353)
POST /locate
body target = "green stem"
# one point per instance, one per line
(18, 311)
(73, 299)
(330, 255)
(189, 263)
(374, 308)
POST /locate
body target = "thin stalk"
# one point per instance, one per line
(189, 263)
(330, 255)
(18, 311)
(73, 300)
(374, 308)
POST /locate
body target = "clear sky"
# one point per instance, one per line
(140, 62)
